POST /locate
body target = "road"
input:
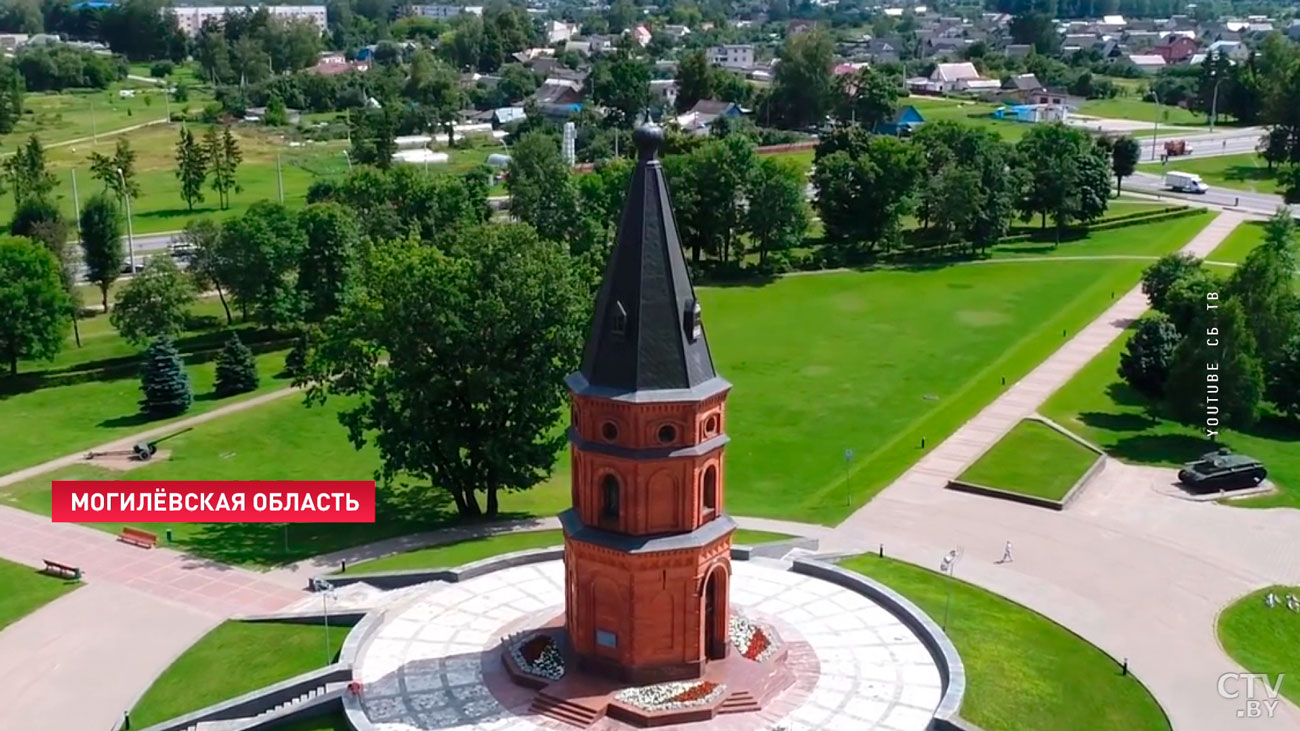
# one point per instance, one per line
(1261, 203)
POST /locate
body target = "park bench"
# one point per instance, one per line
(62, 569)
(137, 537)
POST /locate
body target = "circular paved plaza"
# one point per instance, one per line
(434, 661)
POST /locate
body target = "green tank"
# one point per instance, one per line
(1222, 470)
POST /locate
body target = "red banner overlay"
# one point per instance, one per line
(216, 501)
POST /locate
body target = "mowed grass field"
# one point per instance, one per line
(23, 590)
(1032, 459)
(838, 366)
(1133, 108)
(1241, 172)
(1099, 406)
(1024, 672)
(1263, 639)
(232, 659)
(75, 113)
(160, 207)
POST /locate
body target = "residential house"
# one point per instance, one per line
(700, 117)
(11, 41)
(1112, 24)
(1018, 50)
(799, 25)
(946, 76)
(733, 56)
(554, 92)
(505, 115)
(1147, 62)
(1234, 50)
(1055, 97)
(1034, 113)
(1176, 48)
(642, 35)
(190, 18)
(675, 32)
(664, 89)
(1022, 86)
(904, 122)
(978, 86)
(442, 12)
(559, 31)
(882, 51)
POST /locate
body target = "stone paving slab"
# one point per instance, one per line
(425, 667)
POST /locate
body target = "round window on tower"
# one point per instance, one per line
(609, 430)
(711, 425)
(667, 434)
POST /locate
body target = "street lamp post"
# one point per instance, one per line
(130, 231)
(326, 590)
(848, 473)
(1214, 105)
(349, 157)
(1155, 130)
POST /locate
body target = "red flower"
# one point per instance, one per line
(757, 644)
(694, 693)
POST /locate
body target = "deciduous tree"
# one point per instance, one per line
(332, 243)
(25, 172)
(259, 257)
(154, 303)
(101, 243)
(1144, 365)
(1161, 276)
(776, 212)
(1222, 338)
(490, 323)
(33, 303)
(802, 88)
(1124, 156)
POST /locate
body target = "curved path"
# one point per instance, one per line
(1139, 574)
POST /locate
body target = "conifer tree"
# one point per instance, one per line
(164, 382)
(191, 167)
(236, 369)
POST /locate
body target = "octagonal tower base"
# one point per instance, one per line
(736, 684)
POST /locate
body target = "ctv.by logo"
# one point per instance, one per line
(1261, 698)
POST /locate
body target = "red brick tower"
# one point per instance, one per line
(647, 544)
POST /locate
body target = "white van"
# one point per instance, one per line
(1185, 182)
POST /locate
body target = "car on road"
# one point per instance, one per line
(1222, 470)
(1185, 182)
(181, 249)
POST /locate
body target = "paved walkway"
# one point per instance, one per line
(1134, 571)
(109, 639)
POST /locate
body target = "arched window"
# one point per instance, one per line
(609, 498)
(710, 489)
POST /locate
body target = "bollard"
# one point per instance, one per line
(1004, 380)
(1062, 332)
(922, 442)
(882, 550)
(1125, 669)
(169, 535)
(126, 720)
(343, 566)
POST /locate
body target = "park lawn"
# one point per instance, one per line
(23, 590)
(233, 659)
(1024, 672)
(56, 117)
(1264, 640)
(976, 114)
(1141, 111)
(474, 549)
(41, 422)
(1245, 237)
(1032, 459)
(1242, 172)
(806, 391)
(1099, 406)
(1133, 241)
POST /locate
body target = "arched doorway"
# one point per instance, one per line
(715, 614)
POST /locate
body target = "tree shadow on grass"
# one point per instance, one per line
(137, 419)
(400, 510)
(1118, 422)
(1161, 448)
(1249, 172)
(1125, 395)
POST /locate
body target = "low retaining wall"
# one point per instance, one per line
(1097, 465)
(399, 579)
(261, 700)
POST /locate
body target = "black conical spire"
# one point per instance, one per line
(647, 334)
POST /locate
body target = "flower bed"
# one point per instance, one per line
(668, 696)
(750, 639)
(538, 655)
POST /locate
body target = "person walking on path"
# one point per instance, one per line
(1006, 553)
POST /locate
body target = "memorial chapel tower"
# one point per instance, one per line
(647, 542)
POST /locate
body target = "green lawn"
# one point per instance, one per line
(1032, 459)
(1024, 672)
(1139, 111)
(233, 659)
(967, 112)
(1246, 236)
(1243, 172)
(1264, 640)
(73, 114)
(1099, 406)
(23, 590)
(803, 393)
(40, 422)
(462, 552)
